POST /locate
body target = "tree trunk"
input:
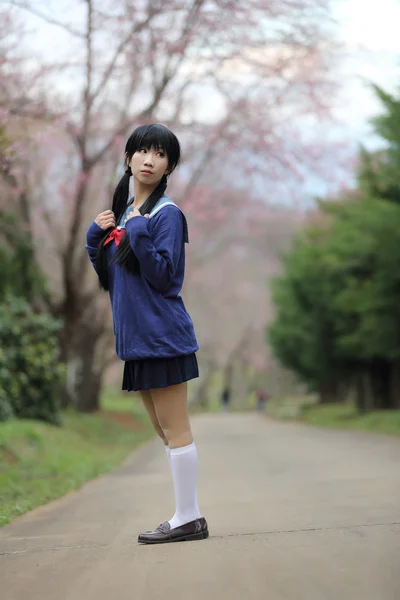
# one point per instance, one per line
(241, 383)
(394, 386)
(89, 390)
(368, 392)
(72, 353)
(84, 379)
(201, 396)
(359, 395)
(228, 374)
(328, 391)
(89, 380)
(68, 393)
(364, 393)
(379, 380)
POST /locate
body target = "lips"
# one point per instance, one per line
(146, 172)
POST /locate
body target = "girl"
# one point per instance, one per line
(138, 252)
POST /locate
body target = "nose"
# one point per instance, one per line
(149, 160)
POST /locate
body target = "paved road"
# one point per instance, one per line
(295, 513)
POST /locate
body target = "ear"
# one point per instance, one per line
(127, 160)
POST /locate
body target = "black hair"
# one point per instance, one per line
(154, 136)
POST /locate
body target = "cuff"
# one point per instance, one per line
(94, 234)
(137, 224)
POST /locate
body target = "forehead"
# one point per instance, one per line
(151, 140)
(152, 147)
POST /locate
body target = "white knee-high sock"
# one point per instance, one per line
(168, 452)
(184, 474)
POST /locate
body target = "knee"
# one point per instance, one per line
(177, 438)
(160, 433)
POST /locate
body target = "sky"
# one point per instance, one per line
(368, 32)
(367, 29)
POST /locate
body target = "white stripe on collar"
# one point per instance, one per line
(158, 207)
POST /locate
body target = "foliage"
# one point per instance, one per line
(30, 372)
(20, 273)
(379, 173)
(344, 416)
(302, 321)
(177, 53)
(41, 462)
(337, 300)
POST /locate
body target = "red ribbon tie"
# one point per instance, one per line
(117, 235)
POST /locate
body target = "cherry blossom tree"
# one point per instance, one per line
(260, 63)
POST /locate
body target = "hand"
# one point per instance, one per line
(105, 219)
(136, 213)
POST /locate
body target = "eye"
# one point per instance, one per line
(143, 150)
(161, 153)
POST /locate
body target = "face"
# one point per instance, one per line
(148, 165)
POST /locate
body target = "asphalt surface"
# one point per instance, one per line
(295, 513)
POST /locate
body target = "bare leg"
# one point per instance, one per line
(148, 403)
(171, 409)
(170, 405)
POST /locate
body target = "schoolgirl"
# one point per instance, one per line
(138, 251)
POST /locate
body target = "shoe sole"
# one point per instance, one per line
(185, 538)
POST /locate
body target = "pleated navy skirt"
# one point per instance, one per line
(154, 373)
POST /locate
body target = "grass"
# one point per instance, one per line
(124, 402)
(290, 407)
(40, 462)
(305, 409)
(214, 392)
(345, 416)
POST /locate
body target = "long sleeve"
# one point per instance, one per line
(93, 237)
(159, 253)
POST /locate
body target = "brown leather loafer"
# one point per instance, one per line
(195, 530)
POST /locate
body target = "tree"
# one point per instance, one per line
(379, 172)
(148, 62)
(21, 274)
(302, 334)
(30, 373)
(338, 317)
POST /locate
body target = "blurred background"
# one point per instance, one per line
(289, 119)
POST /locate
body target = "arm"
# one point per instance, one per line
(93, 238)
(92, 255)
(158, 255)
(94, 235)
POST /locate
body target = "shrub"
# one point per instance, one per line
(31, 375)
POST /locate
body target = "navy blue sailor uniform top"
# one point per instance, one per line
(150, 318)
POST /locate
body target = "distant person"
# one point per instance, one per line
(225, 398)
(138, 252)
(262, 398)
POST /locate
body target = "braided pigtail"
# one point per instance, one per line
(120, 197)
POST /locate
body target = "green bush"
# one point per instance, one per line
(30, 372)
(20, 274)
(337, 317)
(6, 411)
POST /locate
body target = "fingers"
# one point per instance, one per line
(107, 224)
(134, 213)
(106, 219)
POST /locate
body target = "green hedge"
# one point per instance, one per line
(31, 375)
